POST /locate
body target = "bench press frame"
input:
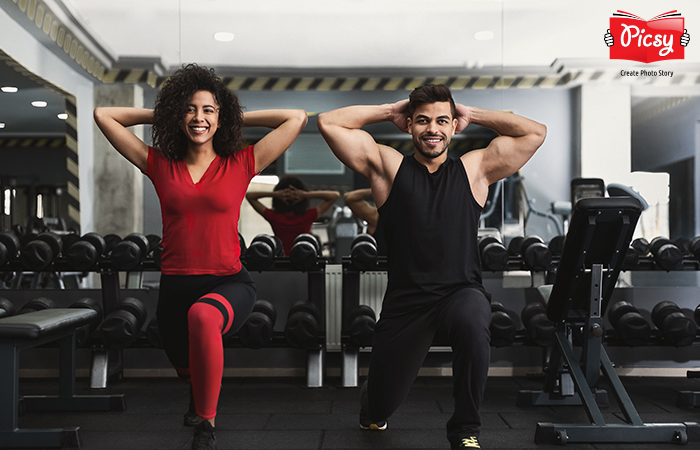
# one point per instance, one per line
(11, 436)
(599, 235)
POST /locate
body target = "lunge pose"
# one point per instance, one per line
(200, 173)
(429, 206)
(291, 214)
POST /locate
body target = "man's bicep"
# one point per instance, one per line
(354, 148)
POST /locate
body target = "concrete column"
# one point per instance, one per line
(118, 192)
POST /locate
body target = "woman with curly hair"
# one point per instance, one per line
(291, 214)
(200, 173)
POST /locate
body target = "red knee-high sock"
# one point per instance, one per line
(206, 325)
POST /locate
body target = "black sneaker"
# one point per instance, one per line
(470, 442)
(365, 422)
(204, 438)
(191, 418)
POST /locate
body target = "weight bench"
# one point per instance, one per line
(24, 331)
(594, 250)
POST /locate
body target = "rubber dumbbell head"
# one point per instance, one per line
(666, 254)
(540, 329)
(514, 245)
(641, 245)
(7, 309)
(38, 304)
(494, 255)
(305, 252)
(130, 252)
(631, 258)
(261, 253)
(536, 255)
(121, 326)
(84, 253)
(41, 251)
(556, 245)
(363, 251)
(258, 330)
(502, 327)
(303, 325)
(82, 335)
(9, 247)
(361, 322)
(694, 247)
(630, 326)
(111, 241)
(676, 328)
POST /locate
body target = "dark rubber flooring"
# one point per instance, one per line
(281, 413)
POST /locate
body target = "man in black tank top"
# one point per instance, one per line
(429, 207)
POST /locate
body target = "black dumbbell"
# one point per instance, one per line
(121, 326)
(666, 254)
(694, 247)
(503, 327)
(38, 304)
(641, 245)
(69, 239)
(540, 329)
(263, 250)
(683, 245)
(631, 327)
(631, 258)
(361, 321)
(111, 240)
(9, 247)
(494, 255)
(39, 253)
(82, 334)
(556, 245)
(514, 245)
(696, 315)
(153, 333)
(363, 251)
(259, 329)
(535, 253)
(7, 309)
(677, 328)
(83, 254)
(305, 252)
(303, 325)
(130, 252)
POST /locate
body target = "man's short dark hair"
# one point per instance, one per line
(430, 93)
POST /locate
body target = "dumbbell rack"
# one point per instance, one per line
(315, 355)
(109, 362)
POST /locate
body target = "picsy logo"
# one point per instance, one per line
(660, 38)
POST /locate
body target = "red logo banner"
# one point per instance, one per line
(658, 39)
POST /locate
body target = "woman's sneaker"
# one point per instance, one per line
(204, 438)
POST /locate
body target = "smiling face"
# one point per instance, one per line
(432, 127)
(201, 119)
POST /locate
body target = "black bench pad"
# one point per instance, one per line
(41, 323)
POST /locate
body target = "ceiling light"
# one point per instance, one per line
(2, 125)
(223, 36)
(39, 104)
(483, 35)
(8, 89)
(62, 116)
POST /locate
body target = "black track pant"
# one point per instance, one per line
(402, 342)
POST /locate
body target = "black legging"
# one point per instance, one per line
(402, 342)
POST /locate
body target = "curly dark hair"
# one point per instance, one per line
(430, 93)
(171, 108)
(299, 208)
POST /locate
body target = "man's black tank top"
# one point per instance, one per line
(430, 222)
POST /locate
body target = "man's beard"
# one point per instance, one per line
(434, 152)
